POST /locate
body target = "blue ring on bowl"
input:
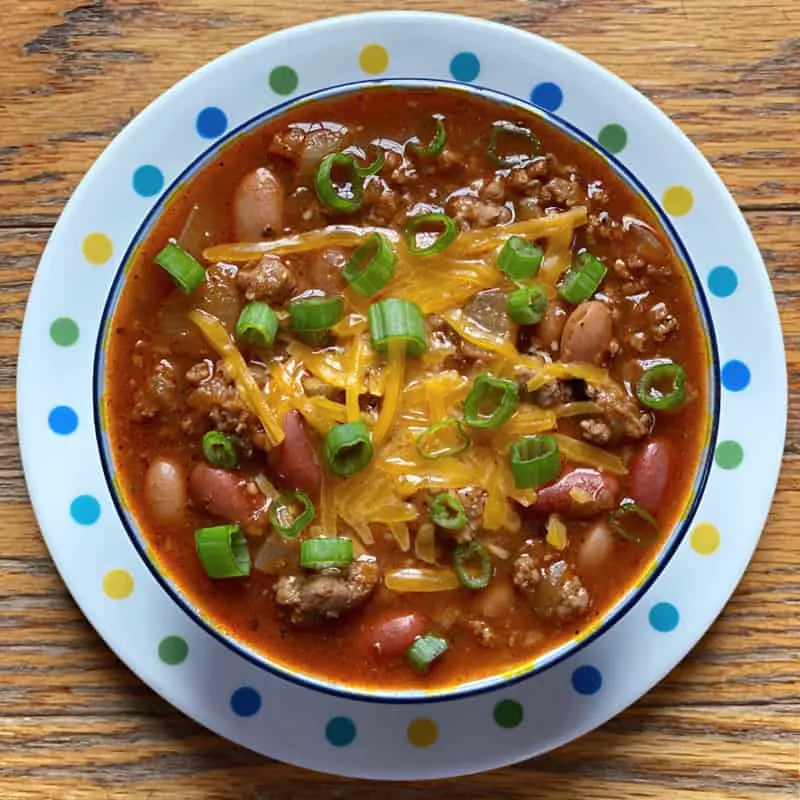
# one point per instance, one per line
(482, 685)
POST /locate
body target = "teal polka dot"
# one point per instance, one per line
(465, 67)
(283, 80)
(85, 510)
(173, 650)
(735, 375)
(340, 731)
(587, 680)
(664, 617)
(722, 281)
(729, 454)
(508, 714)
(64, 331)
(613, 137)
(547, 95)
(62, 420)
(245, 702)
(148, 180)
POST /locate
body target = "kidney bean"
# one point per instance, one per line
(296, 459)
(587, 333)
(257, 206)
(649, 471)
(391, 633)
(165, 490)
(224, 494)
(602, 489)
(596, 549)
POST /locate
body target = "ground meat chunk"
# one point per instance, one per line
(596, 431)
(472, 212)
(620, 411)
(159, 393)
(552, 394)
(555, 592)
(662, 323)
(269, 280)
(474, 502)
(312, 598)
(380, 202)
(563, 192)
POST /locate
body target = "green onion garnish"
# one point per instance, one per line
(444, 438)
(662, 387)
(181, 266)
(472, 564)
(257, 325)
(395, 319)
(437, 142)
(526, 305)
(583, 278)
(535, 460)
(219, 450)
(448, 512)
(511, 145)
(326, 553)
(491, 402)
(222, 551)
(290, 513)
(632, 523)
(520, 259)
(444, 233)
(371, 266)
(425, 651)
(373, 167)
(346, 197)
(315, 313)
(347, 448)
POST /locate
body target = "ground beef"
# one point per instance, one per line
(620, 411)
(312, 598)
(601, 228)
(563, 192)
(553, 394)
(380, 202)
(472, 212)
(158, 394)
(596, 431)
(661, 322)
(555, 593)
(474, 502)
(269, 280)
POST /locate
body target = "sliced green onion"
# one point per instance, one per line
(181, 266)
(472, 564)
(257, 325)
(491, 402)
(448, 512)
(315, 313)
(445, 233)
(347, 448)
(219, 450)
(632, 523)
(437, 142)
(520, 259)
(527, 305)
(222, 551)
(522, 143)
(290, 513)
(583, 278)
(347, 197)
(425, 651)
(371, 266)
(373, 167)
(433, 441)
(326, 553)
(396, 319)
(662, 387)
(535, 460)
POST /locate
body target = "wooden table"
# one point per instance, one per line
(74, 723)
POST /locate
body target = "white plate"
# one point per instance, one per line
(178, 657)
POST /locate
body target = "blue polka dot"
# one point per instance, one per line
(148, 180)
(547, 96)
(245, 701)
(465, 67)
(62, 420)
(85, 510)
(340, 731)
(722, 281)
(735, 375)
(587, 680)
(211, 122)
(664, 617)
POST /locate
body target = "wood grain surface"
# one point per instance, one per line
(75, 723)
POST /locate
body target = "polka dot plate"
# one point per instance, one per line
(317, 727)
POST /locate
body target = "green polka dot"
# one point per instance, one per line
(64, 331)
(173, 650)
(508, 714)
(613, 138)
(283, 80)
(729, 455)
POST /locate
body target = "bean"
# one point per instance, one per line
(580, 492)
(165, 490)
(587, 333)
(295, 458)
(552, 324)
(649, 472)
(257, 205)
(223, 493)
(596, 549)
(496, 600)
(391, 633)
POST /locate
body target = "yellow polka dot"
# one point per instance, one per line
(422, 732)
(705, 538)
(677, 201)
(374, 59)
(118, 584)
(97, 248)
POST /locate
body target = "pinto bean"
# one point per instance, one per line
(165, 490)
(295, 458)
(224, 494)
(552, 324)
(587, 333)
(391, 633)
(257, 205)
(596, 549)
(580, 492)
(649, 473)
(496, 600)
